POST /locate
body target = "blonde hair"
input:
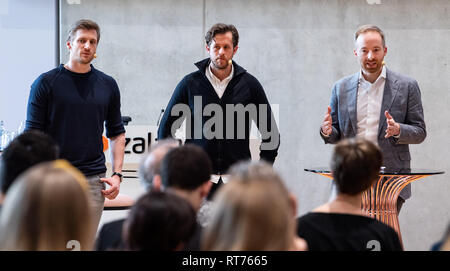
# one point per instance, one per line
(368, 28)
(46, 208)
(253, 212)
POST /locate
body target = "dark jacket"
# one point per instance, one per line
(228, 144)
(110, 236)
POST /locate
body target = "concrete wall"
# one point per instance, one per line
(297, 49)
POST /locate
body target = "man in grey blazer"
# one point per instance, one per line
(377, 104)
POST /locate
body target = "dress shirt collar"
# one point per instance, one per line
(217, 80)
(364, 81)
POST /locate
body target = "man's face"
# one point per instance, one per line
(221, 50)
(83, 46)
(370, 52)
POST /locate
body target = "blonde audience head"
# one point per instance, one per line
(45, 209)
(254, 211)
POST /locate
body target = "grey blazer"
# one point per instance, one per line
(401, 98)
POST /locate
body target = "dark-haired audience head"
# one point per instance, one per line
(150, 166)
(187, 171)
(159, 221)
(26, 150)
(253, 211)
(355, 165)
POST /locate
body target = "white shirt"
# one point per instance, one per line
(215, 178)
(219, 86)
(369, 99)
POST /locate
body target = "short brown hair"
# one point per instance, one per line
(355, 165)
(85, 25)
(368, 28)
(221, 28)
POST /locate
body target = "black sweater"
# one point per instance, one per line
(226, 147)
(72, 108)
(346, 232)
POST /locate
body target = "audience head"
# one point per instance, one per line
(253, 211)
(26, 150)
(159, 221)
(187, 170)
(355, 165)
(150, 166)
(46, 208)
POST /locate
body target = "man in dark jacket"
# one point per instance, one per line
(219, 103)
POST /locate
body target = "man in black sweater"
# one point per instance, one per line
(72, 103)
(219, 103)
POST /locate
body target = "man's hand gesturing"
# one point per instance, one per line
(327, 122)
(393, 128)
